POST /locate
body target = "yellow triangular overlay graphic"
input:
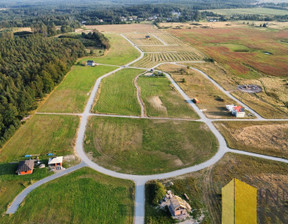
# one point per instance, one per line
(239, 203)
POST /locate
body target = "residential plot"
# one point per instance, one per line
(12, 184)
(73, 93)
(162, 100)
(120, 53)
(204, 189)
(83, 196)
(211, 100)
(267, 138)
(143, 146)
(42, 134)
(118, 94)
(270, 103)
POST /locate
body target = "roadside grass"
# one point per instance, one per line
(120, 53)
(211, 100)
(162, 100)
(267, 138)
(73, 93)
(12, 184)
(118, 94)
(270, 103)
(142, 146)
(42, 134)
(204, 187)
(83, 196)
(250, 11)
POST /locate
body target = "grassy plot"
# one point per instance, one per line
(72, 94)
(12, 184)
(142, 146)
(41, 135)
(270, 103)
(161, 99)
(120, 53)
(118, 94)
(204, 187)
(83, 196)
(268, 138)
(212, 100)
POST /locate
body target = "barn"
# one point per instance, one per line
(25, 167)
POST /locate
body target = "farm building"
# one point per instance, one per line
(25, 167)
(90, 63)
(178, 207)
(237, 111)
(147, 37)
(55, 162)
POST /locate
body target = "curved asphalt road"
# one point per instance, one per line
(140, 180)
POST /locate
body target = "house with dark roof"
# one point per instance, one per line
(25, 167)
(91, 63)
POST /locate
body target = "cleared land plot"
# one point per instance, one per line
(250, 11)
(73, 93)
(12, 184)
(83, 196)
(268, 138)
(123, 28)
(162, 100)
(142, 146)
(212, 100)
(152, 59)
(120, 53)
(204, 187)
(270, 103)
(140, 39)
(42, 134)
(118, 94)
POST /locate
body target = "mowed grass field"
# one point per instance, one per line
(212, 100)
(120, 53)
(42, 134)
(250, 11)
(83, 196)
(204, 187)
(118, 94)
(162, 100)
(12, 184)
(142, 146)
(267, 138)
(73, 93)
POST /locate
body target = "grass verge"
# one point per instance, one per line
(142, 146)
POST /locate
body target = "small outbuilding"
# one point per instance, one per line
(147, 37)
(90, 63)
(237, 111)
(25, 167)
(56, 163)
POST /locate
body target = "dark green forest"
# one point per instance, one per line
(30, 67)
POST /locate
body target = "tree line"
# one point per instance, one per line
(30, 67)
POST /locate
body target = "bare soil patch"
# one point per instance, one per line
(157, 103)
